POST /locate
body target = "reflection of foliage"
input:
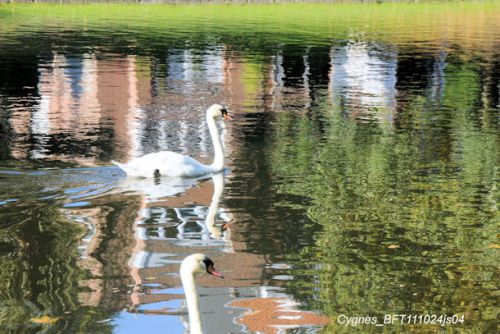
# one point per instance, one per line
(41, 279)
(429, 188)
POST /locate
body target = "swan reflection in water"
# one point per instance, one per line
(206, 219)
(171, 228)
(195, 225)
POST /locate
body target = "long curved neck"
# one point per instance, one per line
(192, 302)
(218, 163)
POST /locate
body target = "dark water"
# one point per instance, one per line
(362, 170)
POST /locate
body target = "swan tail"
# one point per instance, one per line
(118, 164)
(123, 167)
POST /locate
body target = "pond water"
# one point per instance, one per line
(361, 180)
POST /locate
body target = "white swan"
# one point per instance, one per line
(191, 266)
(168, 163)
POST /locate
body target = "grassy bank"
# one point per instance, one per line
(462, 23)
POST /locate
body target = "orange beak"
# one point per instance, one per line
(211, 270)
(226, 116)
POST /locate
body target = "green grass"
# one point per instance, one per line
(395, 22)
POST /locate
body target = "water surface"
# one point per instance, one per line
(362, 170)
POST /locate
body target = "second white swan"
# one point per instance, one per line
(191, 266)
(168, 163)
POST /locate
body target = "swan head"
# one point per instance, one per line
(216, 110)
(198, 264)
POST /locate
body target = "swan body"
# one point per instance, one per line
(165, 163)
(191, 266)
(168, 163)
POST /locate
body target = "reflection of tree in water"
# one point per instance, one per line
(371, 188)
(329, 193)
(268, 228)
(40, 275)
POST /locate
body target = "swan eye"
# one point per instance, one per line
(208, 263)
(223, 112)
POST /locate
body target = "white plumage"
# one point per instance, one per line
(168, 163)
